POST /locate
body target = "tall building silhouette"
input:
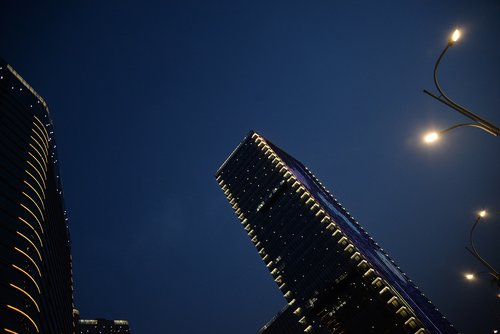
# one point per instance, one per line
(334, 277)
(36, 289)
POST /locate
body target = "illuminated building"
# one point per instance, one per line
(102, 326)
(334, 277)
(36, 289)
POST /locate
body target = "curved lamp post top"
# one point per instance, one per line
(443, 98)
(490, 270)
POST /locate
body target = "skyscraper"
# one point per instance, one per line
(36, 289)
(102, 326)
(333, 275)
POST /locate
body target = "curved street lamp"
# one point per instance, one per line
(433, 136)
(492, 271)
(443, 98)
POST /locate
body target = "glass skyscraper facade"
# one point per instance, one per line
(36, 286)
(333, 275)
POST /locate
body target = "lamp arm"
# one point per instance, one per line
(436, 82)
(491, 128)
(474, 252)
(475, 125)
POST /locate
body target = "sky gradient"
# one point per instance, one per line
(149, 98)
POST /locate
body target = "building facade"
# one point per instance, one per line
(102, 326)
(333, 275)
(36, 286)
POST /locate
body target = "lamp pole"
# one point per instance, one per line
(492, 271)
(479, 122)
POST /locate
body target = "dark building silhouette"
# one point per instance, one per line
(36, 289)
(283, 322)
(335, 278)
(102, 326)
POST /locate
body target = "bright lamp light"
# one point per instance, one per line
(455, 36)
(469, 276)
(431, 137)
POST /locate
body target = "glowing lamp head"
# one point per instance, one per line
(482, 213)
(455, 36)
(469, 276)
(431, 137)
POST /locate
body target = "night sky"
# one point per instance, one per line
(148, 99)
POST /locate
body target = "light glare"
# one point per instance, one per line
(469, 277)
(482, 213)
(456, 35)
(431, 137)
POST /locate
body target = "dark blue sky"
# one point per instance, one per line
(148, 99)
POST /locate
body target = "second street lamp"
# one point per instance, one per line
(492, 271)
(478, 122)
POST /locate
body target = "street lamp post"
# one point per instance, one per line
(492, 271)
(479, 122)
